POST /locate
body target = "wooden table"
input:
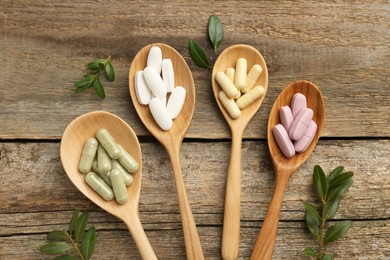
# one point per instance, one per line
(342, 47)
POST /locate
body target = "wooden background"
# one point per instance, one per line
(341, 46)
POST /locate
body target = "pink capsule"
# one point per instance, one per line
(302, 144)
(283, 141)
(298, 102)
(286, 117)
(300, 124)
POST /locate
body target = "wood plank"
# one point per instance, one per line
(343, 46)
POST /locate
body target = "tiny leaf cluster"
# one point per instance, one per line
(76, 238)
(215, 31)
(329, 189)
(92, 78)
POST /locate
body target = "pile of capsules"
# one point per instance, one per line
(234, 83)
(297, 129)
(108, 166)
(151, 89)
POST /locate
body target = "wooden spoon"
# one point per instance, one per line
(231, 223)
(172, 139)
(72, 143)
(286, 167)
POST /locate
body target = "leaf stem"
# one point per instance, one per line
(320, 238)
(75, 246)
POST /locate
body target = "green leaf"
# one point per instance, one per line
(320, 182)
(338, 191)
(88, 243)
(313, 219)
(331, 208)
(65, 257)
(80, 226)
(110, 73)
(57, 235)
(90, 76)
(98, 87)
(82, 83)
(93, 65)
(335, 173)
(327, 257)
(340, 179)
(309, 251)
(55, 248)
(73, 222)
(337, 230)
(215, 31)
(198, 55)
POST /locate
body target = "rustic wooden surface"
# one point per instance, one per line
(342, 47)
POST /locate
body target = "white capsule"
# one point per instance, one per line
(250, 97)
(240, 76)
(230, 73)
(168, 74)
(155, 58)
(160, 114)
(176, 101)
(230, 105)
(227, 85)
(155, 82)
(144, 95)
(252, 77)
(163, 100)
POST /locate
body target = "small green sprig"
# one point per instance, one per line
(215, 32)
(82, 242)
(329, 189)
(92, 78)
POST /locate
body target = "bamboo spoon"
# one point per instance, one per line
(286, 167)
(72, 143)
(231, 223)
(172, 139)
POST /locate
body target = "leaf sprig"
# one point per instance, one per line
(329, 189)
(215, 32)
(61, 241)
(92, 78)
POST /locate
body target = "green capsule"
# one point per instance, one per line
(108, 142)
(127, 178)
(88, 155)
(119, 187)
(128, 161)
(105, 177)
(97, 183)
(104, 160)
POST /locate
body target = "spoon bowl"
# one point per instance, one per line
(172, 138)
(286, 167)
(231, 225)
(72, 143)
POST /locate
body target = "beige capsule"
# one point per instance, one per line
(252, 77)
(240, 76)
(119, 187)
(227, 85)
(249, 97)
(230, 73)
(229, 104)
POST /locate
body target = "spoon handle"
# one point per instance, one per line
(191, 237)
(264, 246)
(231, 220)
(134, 225)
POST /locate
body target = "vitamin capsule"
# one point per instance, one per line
(283, 140)
(229, 104)
(104, 160)
(108, 142)
(98, 185)
(155, 59)
(252, 77)
(144, 95)
(240, 76)
(250, 97)
(168, 74)
(127, 178)
(227, 85)
(298, 102)
(105, 177)
(300, 124)
(302, 144)
(155, 82)
(176, 101)
(127, 161)
(286, 117)
(230, 73)
(160, 114)
(119, 187)
(88, 155)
